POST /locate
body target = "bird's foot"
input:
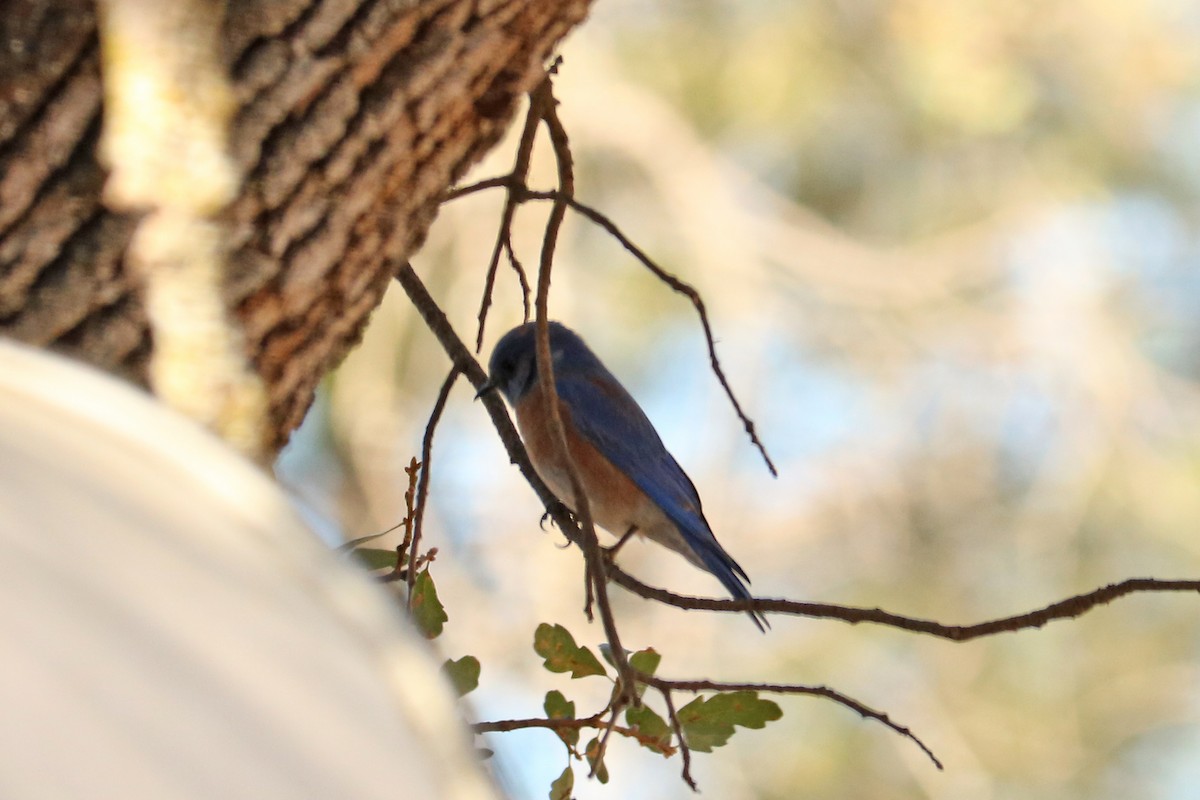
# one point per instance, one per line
(550, 513)
(610, 553)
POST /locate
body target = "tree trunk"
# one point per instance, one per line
(354, 116)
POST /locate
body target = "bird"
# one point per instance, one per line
(632, 483)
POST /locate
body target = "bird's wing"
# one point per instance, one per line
(612, 422)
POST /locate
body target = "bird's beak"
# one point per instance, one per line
(489, 386)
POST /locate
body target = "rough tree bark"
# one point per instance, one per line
(354, 117)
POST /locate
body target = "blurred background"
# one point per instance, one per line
(950, 252)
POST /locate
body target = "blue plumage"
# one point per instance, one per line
(604, 416)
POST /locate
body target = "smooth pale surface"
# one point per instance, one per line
(168, 627)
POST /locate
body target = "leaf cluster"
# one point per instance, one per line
(704, 724)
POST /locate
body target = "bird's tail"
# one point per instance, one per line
(732, 577)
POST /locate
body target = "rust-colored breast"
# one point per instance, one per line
(615, 502)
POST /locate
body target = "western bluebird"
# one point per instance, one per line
(632, 483)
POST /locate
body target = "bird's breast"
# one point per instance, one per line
(615, 502)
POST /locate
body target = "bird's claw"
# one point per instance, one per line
(610, 553)
(553, 511)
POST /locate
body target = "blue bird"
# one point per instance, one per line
(633, 485)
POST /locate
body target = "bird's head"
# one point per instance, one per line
(513, 366)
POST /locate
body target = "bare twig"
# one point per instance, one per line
(505, 181)
(418, 514)
(514, 181)
(413, 471)
(863, 710)
(522, 277)
(542, 100)
(463, 360)
(400, 571)
(460, 355)
(685, 752)
(1064, 609)
(1069, 608)
(697, 301)
(596, 721)
(602, 747)
(428, 557)
(518, 192)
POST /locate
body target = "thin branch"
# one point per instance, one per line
(439, 325)
(1069, 608)
(514, 181)
(518, 192)
(522, 275)
(1065, 609)
(502, 181)
(684, 751)
(460, 355)
(863, 710)
(543, 109)
(690, 292)
(418, 515)
(595, 721)
(412, 471)
(542, 100)
(505, 725)
(602, 747)
(400, 571)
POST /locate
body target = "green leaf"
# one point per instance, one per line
(592, 751)
(708, 723)
(651, 726)
(646, 660)
(559, 707)
(702, 729)
(426, 609)
(376, 557)
(562, 786)
(463, 674)
(555, 644)
(746, 709)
